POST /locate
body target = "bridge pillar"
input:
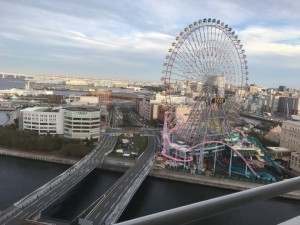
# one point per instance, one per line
(27, 84)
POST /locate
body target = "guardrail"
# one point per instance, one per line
(197, 211)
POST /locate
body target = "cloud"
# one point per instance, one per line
(127, 37)
(271, 40)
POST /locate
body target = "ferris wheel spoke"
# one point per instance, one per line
(183, 60)
(186, 48)
(206, 48)
(184, 69)
(188, 55)
(196, 50)
(200, 54)
(188, 67)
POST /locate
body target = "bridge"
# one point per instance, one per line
(110, 206)
(31, 206)
(247, 115)
(17, 75)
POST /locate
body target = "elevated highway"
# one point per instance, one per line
(31, 206)
(110, 206)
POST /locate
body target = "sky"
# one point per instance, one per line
(128, 40)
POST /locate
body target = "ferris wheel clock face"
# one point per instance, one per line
(207, 65)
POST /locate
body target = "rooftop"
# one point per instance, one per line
(41, 109)
(82, 108)
(293, 122)
(279, 149)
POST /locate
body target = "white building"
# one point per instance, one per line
(290, 138)
(290, 135)
(43, 120)
(81, 100)
(82, 122)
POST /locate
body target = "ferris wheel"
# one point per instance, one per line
(205, 80)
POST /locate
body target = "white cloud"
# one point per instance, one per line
(134, 36)
(271, 40)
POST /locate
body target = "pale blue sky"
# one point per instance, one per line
(125, 39)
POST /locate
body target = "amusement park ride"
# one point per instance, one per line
(207, 64)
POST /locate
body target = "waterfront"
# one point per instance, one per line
(9, 83)
(62, 89)
(20, 176)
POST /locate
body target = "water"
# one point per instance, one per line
(9, 82)
(3, 117)
(157, 195)
(20, 176)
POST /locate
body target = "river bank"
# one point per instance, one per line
(121, 165)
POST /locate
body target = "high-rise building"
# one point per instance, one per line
(282, 88)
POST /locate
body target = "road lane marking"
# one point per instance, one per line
(40, 203)
(24, 216)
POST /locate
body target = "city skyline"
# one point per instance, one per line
(129, 40)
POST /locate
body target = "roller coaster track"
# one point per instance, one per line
(202, 144)
(266, 155)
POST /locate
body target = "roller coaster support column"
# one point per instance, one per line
(215, 159)
(200, 210)
(200, 159)
(230, 163)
